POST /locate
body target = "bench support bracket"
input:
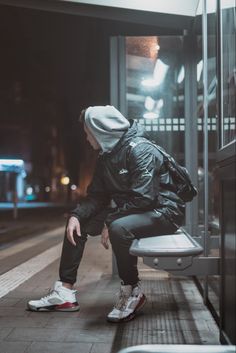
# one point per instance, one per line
(186, 266)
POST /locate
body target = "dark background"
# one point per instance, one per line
(51, 66)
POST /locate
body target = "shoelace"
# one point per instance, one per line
(122, 300)
(50, 293)
(136, 291)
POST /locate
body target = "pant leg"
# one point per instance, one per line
(71, 255)
(142, 225)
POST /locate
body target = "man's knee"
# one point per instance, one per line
(118, 232)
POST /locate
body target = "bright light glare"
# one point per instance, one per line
(160, 71)
(65, 180)
(73, 187)
(159, 74)
(181, 74)
(150, 82)
(150, 115)
(199, 70)
(160, 104)
(12, 162)
(149, 103)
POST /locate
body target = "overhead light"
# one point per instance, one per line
(150, 82)
(150, 115)
(199, 70)
(160, 71)
(149, 103)
(181, 74)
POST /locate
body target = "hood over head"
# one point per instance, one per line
(106, 124)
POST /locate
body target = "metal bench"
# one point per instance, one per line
(179, 348)
(177, 253)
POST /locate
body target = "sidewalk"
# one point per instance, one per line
(174, 313)
(30, 223)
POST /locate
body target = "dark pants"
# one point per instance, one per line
(141, 225)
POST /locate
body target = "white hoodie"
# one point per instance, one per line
(106, 124)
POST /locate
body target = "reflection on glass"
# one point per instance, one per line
(228, 21)
(200, 115)
(155, 88)
(213, 178)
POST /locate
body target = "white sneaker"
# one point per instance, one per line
(130, 301)
(59, 299)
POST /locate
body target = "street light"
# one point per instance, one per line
(65, 180)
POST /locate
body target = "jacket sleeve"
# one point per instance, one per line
(143, 166)
(97, 197)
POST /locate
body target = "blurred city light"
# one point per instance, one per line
(65, 180)
(12, 165)
(29, 190)
(47, 189)
(73, 187)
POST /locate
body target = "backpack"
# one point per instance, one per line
(184, 187)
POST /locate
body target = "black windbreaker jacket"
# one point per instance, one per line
(134, 176)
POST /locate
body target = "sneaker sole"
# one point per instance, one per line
(132, 315)
(64, 307)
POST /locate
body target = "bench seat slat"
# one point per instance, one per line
(177, 244)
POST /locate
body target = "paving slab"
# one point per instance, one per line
(4, 332)
(14, 347)
(53, 347)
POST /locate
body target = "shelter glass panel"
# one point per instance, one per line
(213, 175)
(228, 68)
(155, 89)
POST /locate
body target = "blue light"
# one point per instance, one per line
(12, 165)
(12, 162)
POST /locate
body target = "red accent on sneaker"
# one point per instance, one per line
(141, 303)
(66, 305)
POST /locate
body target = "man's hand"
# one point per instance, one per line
(105, 237)
(73, 225)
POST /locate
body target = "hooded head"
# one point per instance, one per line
(106, 124)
